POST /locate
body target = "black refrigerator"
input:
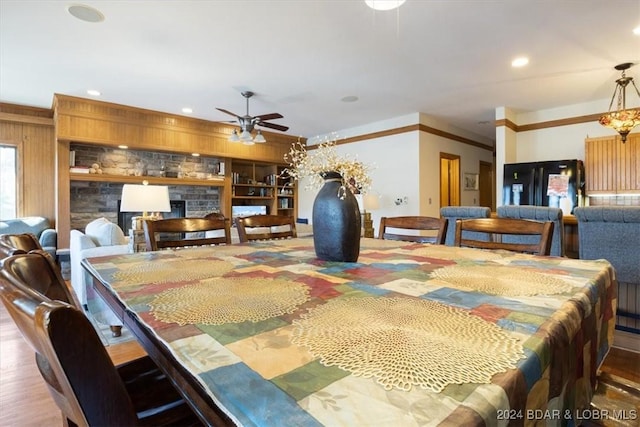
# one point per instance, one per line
(558, 183)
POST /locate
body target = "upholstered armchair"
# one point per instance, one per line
(38, 226)
(100, 238)
(453, 213)
(536, 213)
(613, 233)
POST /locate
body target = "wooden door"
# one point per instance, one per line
(449, 180)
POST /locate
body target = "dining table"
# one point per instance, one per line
(412, 334)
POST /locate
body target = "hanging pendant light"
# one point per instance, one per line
(622, 120)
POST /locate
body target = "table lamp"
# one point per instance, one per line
(144, 198)
(369, 202)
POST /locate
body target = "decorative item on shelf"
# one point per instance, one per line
(144, 198)
(140, 169)
(336, 214)
(79, 169)
(622, 120)
(95, 168)
(284, 190)
(370, 202)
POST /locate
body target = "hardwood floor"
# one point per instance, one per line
(25, 400)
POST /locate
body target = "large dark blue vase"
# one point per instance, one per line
(336, 222)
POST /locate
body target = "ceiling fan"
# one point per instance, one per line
(247, 123)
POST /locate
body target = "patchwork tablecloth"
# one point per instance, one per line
(411, 334)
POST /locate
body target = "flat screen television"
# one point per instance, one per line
(237, 211)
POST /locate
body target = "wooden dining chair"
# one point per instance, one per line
(38, 271)
(454, 213)
(83, 381)
(265, 227)
(495, 228)
(11, 244)
(413, 223)
(168, 233)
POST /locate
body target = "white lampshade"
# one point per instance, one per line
(245, 136)
(234, 136)
(145, 198)
(259, 138)
(371, 202)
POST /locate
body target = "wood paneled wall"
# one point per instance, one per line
(89, 121)
(43, 137)
(102, 123)
(31, 130)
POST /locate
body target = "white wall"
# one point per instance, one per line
(551, 143)
(561, 142)
(405, 166)
(395, 174)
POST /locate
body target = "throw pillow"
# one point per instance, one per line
(105, 233)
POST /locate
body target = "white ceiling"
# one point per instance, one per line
(449, 59)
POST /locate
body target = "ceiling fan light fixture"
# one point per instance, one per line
(384, 4)
(247, 124)
(259, 138)
(234, 136)
(622, 120)
(245, 135)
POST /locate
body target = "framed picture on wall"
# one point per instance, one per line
(470, 181)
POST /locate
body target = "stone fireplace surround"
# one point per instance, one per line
(90, 200)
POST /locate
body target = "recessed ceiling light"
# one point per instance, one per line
(384, 4)
(195, 154)
(636, 30)
(123, 147)
(520, 62)
(350, 98)
(187, 110)
(85, 13)
(94, 92)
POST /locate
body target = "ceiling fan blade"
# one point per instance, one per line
(228, 112)
(270, 116)
(273, 126)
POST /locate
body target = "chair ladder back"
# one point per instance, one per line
(152, 229)
(495, 228)
(39, 272)
(261, 227)
(413, 223)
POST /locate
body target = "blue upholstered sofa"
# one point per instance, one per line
(37, 225)
(613, 233)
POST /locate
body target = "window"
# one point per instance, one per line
(8, 182)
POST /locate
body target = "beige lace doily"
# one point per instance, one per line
(214, 251)
(229, 300)
(381, 244)
(502, 280)
(174, 270)
(457, 253)
(404, 342)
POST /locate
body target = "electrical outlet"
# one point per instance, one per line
(401, 201)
